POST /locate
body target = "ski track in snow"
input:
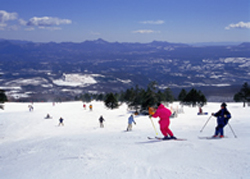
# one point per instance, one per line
(34, 147)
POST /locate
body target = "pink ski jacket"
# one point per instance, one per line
(163, 113)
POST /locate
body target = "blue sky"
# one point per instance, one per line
(186, 21)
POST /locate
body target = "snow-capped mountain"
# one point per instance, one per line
(46, 70)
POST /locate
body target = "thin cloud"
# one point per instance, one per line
(50, 28)
(158, 22)
(2, 26)
(240, 25)
(6, 16)
(145, 31)
(47, 21)
(22, 22)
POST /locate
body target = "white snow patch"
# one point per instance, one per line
(221, 85)
(216, 76)
(244, 61)
(75, 80)
(97, 75)
(205, 84)
(47, 85)
(247, 64)
(200, 76)
(176, 74)
(124, 81)
(72, 90)
(235, 60)
(21, 81)
(11, 88)
(17, 94)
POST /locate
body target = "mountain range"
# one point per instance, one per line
(49, 71)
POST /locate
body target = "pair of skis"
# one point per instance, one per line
(211, 137)
(161, 139)
(178, 139)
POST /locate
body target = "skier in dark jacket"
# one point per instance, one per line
(61, 121)
(101, 119)
(223, 116)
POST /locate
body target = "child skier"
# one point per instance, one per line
(223, 115)
(61, 121)
(163, 113)
(101, 119)
(130, 121)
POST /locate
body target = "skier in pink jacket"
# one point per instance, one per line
(163, 113)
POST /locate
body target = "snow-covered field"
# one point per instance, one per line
(34, 147)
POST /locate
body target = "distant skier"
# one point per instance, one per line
(84, 106)
(48, 116)
(61, 121)
(130, 121)
(101, 120)
(31, 108)
(200, 110)
(163, 113)
(90, 107)
(223, 115)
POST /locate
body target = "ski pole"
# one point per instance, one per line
(205, 124)
(153, 125)
(232, 130)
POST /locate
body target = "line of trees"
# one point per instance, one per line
(140, 99)
(193, 97)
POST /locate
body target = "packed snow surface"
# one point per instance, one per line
(34, 147)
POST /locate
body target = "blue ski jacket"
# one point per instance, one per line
(131, 120)
(223, 116)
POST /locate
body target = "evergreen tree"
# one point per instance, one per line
(3, 97)
(86, 97)
(149, 97)
(243, 95)
(202, 99)
(194, 98)
(128, 95)
(111, 101)
(182, 95)
(135, 98)
(168, 95)
(160, 96)
(100, 97)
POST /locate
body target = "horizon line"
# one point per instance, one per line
(101, 39)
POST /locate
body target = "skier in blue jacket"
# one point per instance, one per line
(130, 121)
(61, 121)
(223, 116)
